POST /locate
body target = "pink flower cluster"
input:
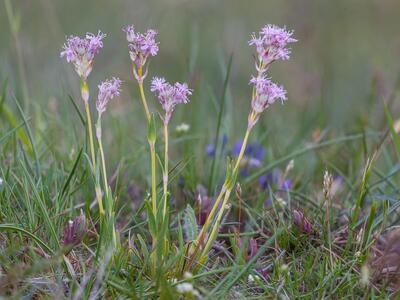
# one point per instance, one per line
(170, 95)
(271, 44)
(141, 46)
(266, 94)
(108, 89)
(81, 51)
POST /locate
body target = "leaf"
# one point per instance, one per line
(395, 136)
(12, 120)
(77, 110)
(190, 223)
(220, 113)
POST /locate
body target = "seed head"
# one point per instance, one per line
(328, 180)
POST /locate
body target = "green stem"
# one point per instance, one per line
(215, 228)
(85, 91)
(143, 97)
(225, 190)
(103, 161)
(165, 176)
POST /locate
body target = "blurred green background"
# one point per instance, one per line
(346, 61)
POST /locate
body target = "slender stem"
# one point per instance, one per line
(143, 97)
(215, 228)
(103, 161)
(152, 145)
(225, 190)
(85, 91)
(241, 153)
(224, 187)
(165, 176)
(210, 216)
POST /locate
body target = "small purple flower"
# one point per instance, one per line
(170, 95)
(266, 93)
(268, 203)
(271, 43)
(81, 52)
(236, 148)
(301, 222)
(141, 46)
(210, 150)
(108, 89)
(253, 155)
(224, 140)
(286, 184)
(74, 231)
(274, 178)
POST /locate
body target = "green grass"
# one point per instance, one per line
(36, 207)
(133, 252)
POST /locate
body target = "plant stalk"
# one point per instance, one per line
(85, 97)
(165, 176)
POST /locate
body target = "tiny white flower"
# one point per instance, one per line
(1, 181)
(188, 289)
(250, 279)
(290, 166)
(182, 128)
(253, 278)
(184, 287)
(281, 202)
(187, 275)
(173, 280)
(284, 267)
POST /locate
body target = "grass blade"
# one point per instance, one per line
(220, 114)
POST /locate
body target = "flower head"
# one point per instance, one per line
(266, 93)
(108, 89)
(271, 43)
(74, 231)
(81, 51)
(170, 95)
(301, 222)
(141, 46)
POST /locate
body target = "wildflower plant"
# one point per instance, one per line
(271, 45)
(81, 52)
(169, 96)
(141, 47)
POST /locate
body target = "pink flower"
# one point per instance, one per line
(141, 46)
(81, 52)
(271, 44)
(266, 93)
(170, 95)
(108, 89)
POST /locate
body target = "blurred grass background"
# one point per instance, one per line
(346, 60)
